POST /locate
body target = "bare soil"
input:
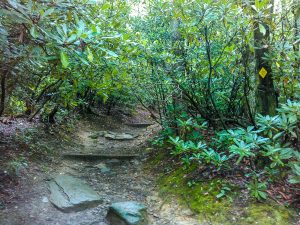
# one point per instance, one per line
(28, 201)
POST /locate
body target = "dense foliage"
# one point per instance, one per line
(63, 54)
(221, 77)
(214, 72)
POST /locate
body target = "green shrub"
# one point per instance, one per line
(266, 152)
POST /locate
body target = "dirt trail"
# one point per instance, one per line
(115, 180)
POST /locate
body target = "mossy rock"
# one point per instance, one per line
(200, 197)
(266, 214)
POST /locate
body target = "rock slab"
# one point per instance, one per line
(127, 213)
(118, 136)
(70, 194)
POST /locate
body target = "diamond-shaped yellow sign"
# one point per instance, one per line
(263, 72)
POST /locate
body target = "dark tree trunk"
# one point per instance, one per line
(296, 37)
(297, 25)
(3, 91)
(29, 106)
(266, 99)
(51, 116)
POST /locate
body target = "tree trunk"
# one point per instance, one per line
(3, 91)
(266, 99)
(29, 107)
(296, 37)
(51, 116)
(297, 24)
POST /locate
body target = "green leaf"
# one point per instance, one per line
(65, 29)
(15, 16)
(104, 97)
(81, 27)
(47, 13)
(111, 53)
(294, 180)
(262, 194)
(254, 8)
(72, 38)
(113, 37)
(89, 54)
(3, 32)
(221, 194)
(64, 59)
(33, 31)
(84, 61)
(262, 29)
(51, 57)
(278, 135)
(105, 6)
(293, 134)
(93, 28)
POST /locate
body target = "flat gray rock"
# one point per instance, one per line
(71, 194)
(117, 136)
(103, 168)
(127, 213)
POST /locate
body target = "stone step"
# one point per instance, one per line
(114, 135)
(95, 156)
(139, 125)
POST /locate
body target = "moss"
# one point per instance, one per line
(266, 214)
(155, 160)
(201, 198)
(198, 196)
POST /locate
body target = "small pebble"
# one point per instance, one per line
(45, 199)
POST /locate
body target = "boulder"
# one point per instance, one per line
(71, 194)
(127, 213)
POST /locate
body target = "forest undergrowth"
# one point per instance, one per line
(221, 78)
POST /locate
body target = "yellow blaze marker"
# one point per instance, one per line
(263, 72)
